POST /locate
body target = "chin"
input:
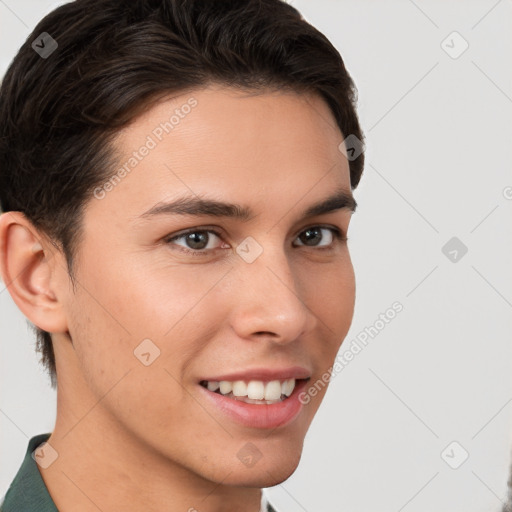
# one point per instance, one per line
(267, 472)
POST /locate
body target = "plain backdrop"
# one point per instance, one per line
(421, 419)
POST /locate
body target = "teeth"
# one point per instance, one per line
(225, 387)
(288, 387)
(239, 388)
(255, 389)
(213, 385)
(273, 390)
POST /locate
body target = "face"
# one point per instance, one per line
(172, 300)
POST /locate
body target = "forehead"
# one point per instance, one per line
(240, 144)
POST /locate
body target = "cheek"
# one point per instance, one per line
(330, 294)
(132, 298)
(135, 393)
(331, 297)
(129, 302)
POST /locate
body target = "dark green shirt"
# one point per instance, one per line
(28, 492)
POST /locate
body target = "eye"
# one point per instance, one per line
(310, 236)
(197, 241)
(201, 241)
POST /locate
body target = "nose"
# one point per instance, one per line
(267, 300)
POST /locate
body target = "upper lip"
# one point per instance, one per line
(264, 374)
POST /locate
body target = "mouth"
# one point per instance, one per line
(257, 392)
(261, 404)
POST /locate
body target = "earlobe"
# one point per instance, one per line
(28, 266)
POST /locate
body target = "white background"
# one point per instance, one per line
(438, 135)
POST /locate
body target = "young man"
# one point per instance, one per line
(176, 178)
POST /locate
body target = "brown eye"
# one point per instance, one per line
(312, 237)
(196, 241)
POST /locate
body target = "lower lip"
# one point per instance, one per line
(263, 416)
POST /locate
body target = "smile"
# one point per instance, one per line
(261, 404)
(254, 391)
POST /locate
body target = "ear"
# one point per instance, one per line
(28, 264)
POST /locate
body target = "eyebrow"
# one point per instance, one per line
(197, 206)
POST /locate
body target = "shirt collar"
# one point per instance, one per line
(28, 490)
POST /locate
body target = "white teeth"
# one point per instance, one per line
(288, 387)
(255, 389)
(239, 388)
(225, 387)
(273, 390)
(213, 385)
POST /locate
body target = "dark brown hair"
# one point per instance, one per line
(114, 59)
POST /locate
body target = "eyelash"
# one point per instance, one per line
(338, 235)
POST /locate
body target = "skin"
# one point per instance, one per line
(132, 437)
